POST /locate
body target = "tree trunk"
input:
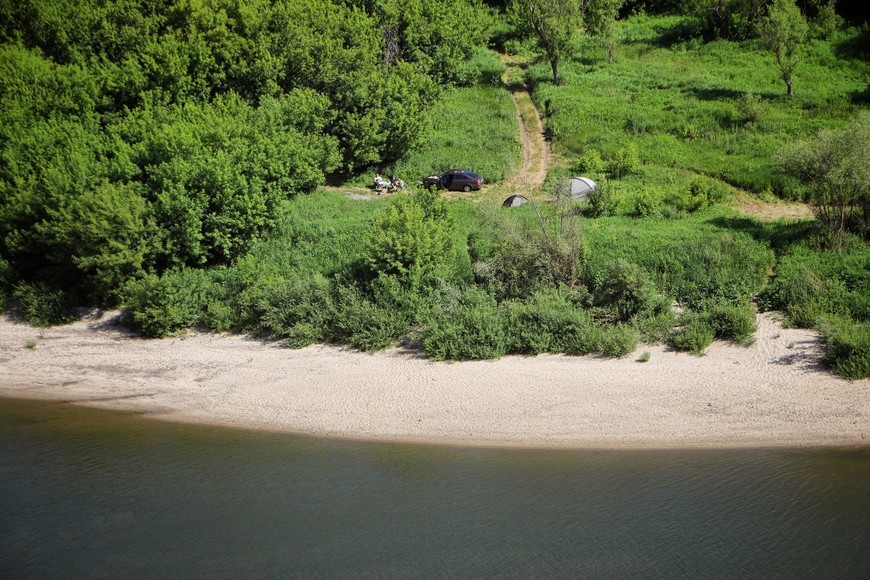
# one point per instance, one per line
(788, 84)
(554, 63)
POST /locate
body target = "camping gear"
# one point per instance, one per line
(515, 201)
(577, 188)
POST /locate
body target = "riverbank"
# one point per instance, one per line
(774, 393)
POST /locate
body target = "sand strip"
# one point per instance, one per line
(771, 394)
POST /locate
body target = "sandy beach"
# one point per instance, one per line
(774, 393)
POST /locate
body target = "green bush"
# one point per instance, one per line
(601, 201)
(364, 324)
(524, 257)
(589, 162)
(647, 204)
(751, 108)
(847, 347)
(551, 320)
(626, 290)
(412, 241)
(654, 328)
(156, 306)
(734, 323)
(617, 340)
(626, 160)
(695, 336)
(43, 305)
(467, 325)
(296, 309)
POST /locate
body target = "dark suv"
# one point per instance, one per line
(454, 180)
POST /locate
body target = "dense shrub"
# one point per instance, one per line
(43, 305)
(694, 336)
(812, 283)
(847, 347)
(734, 323)
(617, 340)
(156, 306)
(526, 256)
(551, 320)
(466, 325)
(602, 202)
(625, 289)
(412, 241)
(296, 309)
(365, 324)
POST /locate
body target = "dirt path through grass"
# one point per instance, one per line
(536, 150)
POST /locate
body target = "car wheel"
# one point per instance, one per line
(466, 189)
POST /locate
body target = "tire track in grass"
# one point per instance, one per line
(536, 150)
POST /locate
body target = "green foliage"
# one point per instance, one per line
(471, 128)
(785, 31)
(647, 204)
(617, 340)
(847, 347)
(465, 324)
(678, 100)
(826, 23)
(365, 324)
(732, 19)
(644, 357)
(601, 19)
(526, 256)
(687, 260)
(589, 162)
(411, 240)
(626, 160)
(552, 22)
(733, 322)
(694, 336)
(296, 309)
(626, 290)
(751, 108)
(812, 284)
(43, 305)
(602, 202)
(551, 320)
(415, 30)
(157, 306)
(835, 167)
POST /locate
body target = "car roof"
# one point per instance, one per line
(462, 172)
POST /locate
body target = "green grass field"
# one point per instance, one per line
(689, 108)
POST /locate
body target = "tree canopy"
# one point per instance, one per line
(140, 136)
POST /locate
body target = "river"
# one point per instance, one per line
(98, 494)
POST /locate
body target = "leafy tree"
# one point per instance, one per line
(411, 241)
(554, 24)
(601, 20)
(437, 35)
(835, 167)
(785, 30)
(732, 19)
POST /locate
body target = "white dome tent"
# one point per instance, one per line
(578, 188)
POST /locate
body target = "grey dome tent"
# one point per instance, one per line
(578, 188)
(514, 201)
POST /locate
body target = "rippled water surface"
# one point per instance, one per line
(87, 493)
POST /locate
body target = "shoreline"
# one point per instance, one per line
(772, 394)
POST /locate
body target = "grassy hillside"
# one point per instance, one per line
(687, 107)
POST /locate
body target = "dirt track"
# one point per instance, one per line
(536, 151)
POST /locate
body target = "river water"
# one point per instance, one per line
(86, 493)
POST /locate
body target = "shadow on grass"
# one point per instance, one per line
(779, 235)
